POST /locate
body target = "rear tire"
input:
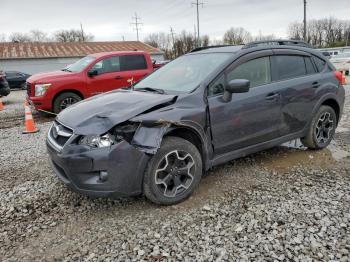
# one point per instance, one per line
(65, 100)
(173, 172)
(322, 129)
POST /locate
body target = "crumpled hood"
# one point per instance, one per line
(49, 76)
(97, 115)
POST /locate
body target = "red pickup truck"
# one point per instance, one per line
(91, 75)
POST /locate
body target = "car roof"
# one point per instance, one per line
(239, 49)
(103, 54)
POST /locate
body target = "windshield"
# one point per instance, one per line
(185, 73)
(80, 64)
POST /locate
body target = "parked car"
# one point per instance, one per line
(92, 75)
(4, 86)
(16, 79)
(326, 54)
(342, 62)
(159, 64)
(200, 110)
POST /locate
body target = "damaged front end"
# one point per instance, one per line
(146, 137)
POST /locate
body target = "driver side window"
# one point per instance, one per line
(111, 64)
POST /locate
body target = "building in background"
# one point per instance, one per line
(32, 58)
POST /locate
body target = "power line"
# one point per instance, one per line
(197, 4)
(137, 24)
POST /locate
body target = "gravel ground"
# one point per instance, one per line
(282, 204)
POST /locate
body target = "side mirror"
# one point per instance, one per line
(235, 86)
(92, 73)
(154, 61)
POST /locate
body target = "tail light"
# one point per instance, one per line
(341, 78)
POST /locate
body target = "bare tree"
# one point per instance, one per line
(265, 37)
(2, 37)
(295, 31)
(19, 37)
(72, 35)
(38, 36)
(237, 36)
(322, 32)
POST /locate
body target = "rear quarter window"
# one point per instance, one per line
(320, 63)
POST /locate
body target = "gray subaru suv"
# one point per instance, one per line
(203, 109)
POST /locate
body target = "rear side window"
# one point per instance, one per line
(310, 68)
(320, 64)
(289, 66)
(133, 62)
(257, 71)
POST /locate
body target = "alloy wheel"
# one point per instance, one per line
(324, 127)
(174, 174)
(68, 102)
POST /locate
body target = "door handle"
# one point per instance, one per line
(272, 96)
(315, 84)
(119, 77)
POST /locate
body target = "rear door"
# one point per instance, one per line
(250, 118)
(133, 67)
(297, 73)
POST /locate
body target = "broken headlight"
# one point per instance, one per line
(125, 131)
(96, 141)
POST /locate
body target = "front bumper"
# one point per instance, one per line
(107, 172)
(40, 103)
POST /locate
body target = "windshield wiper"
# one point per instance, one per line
(66, 70)
(150, 89)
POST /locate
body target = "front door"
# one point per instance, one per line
(117, 72)
(250, 118)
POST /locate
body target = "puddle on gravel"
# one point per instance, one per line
(293, 154)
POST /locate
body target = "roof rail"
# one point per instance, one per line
(208, 47)
(277, 42)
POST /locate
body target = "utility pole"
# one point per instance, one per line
(82, 32)
(305, 33)
(173, 39)
(136, 24)
(197, 4)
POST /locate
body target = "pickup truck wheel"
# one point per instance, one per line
(322, 129)
(65, 100)
(173, 172)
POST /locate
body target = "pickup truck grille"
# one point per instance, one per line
(59, 135)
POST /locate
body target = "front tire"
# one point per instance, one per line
(173, 172)
(322, 129)
(65, 100)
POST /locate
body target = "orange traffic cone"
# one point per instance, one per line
(29, 121)
(1, 106)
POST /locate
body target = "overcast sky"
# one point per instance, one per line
(110, 20)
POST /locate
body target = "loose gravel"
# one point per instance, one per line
(282, 204)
